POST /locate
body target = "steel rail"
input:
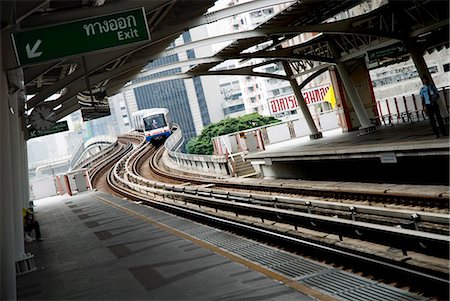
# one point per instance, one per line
(136, 191)
(439, 281)
(404, 239)
(409, 217)
(333, 192)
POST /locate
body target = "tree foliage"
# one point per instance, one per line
(202, 144)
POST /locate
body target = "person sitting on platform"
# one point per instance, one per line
(430, 96)
(30, 224)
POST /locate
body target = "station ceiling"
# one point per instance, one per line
(166, 20)
(422, 24)
(105, 72)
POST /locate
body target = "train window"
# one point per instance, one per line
(154, 122)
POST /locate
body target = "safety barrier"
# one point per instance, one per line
(217, 165)
(407, 108)
(99, 141)
(257, 139)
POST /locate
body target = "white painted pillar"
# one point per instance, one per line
(314, 132)
(7, 248)
(354, 97)
(25, 178)
(16, 173)
(357, 104)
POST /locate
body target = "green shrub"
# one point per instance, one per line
(202, 145)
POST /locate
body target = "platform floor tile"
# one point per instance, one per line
(93, 251)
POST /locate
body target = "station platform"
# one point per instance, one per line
(100, 247)
(94, 248)
(402, 153)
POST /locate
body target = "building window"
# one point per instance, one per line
(234, 109)
(190, 54)
(446, 67)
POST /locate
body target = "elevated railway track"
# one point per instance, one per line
(405, 246)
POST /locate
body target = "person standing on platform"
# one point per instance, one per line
(429, 95)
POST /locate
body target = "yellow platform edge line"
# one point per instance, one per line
(276, 276)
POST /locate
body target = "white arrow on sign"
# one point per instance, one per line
(31, 53)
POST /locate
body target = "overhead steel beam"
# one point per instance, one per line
(216, 40)
(67, 108)
(23, 10)
(96, 62)
(240, 8)
(81, 13)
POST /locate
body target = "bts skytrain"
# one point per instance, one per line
(154, 123)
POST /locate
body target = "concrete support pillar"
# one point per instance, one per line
(25, 178)
(314, 132)
(357, 104)
(354, 97)
(7, 225)
(339, 105)
(16, 173)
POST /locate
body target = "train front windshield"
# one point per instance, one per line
(154, 122)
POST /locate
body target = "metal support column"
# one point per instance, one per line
(314, 132)
(416, 53)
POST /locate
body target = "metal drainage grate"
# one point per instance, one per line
(275, 258)
(204, 232)
(219, 238)
(334, 281)
(255, 251)
(235, 244)
(298, 268)
(173, 221)
(349, 287)
(378, 292)
(156, 215)
(190, 228)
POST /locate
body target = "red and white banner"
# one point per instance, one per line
(289, 102)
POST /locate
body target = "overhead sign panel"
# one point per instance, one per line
(391, 51)
(81, 36)
(57, 128)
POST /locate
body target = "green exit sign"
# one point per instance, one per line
(80, 36)
(57, 128)
(391, 51)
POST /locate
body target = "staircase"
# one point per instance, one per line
(243, 169)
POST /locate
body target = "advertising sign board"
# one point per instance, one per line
(289, 102)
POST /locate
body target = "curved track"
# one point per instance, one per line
(266, 217)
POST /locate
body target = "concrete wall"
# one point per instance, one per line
(42, 188)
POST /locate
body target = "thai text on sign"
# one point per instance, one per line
(80, 36)
(289, 102)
